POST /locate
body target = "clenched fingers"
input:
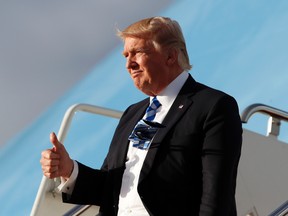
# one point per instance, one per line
(49, 154)
(50, 163)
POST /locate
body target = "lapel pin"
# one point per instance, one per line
(181, 106)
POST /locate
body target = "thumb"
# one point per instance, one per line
(55, 142)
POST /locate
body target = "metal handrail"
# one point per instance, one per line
(281, 210)
(276, 115)
(77, 210)
(66, 122)
(262, 108)
(48, 185)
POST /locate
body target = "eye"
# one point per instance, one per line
(140, 50)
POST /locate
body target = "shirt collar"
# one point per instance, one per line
(168, 95)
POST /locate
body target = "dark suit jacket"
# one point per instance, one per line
(191, 166)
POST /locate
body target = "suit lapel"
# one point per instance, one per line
(182, 102)
(124, 129)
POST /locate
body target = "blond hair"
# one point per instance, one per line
(162, 32)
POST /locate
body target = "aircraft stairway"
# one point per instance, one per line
(262, 175)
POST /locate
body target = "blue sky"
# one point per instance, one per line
(239, 47)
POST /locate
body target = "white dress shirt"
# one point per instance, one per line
(129, 199)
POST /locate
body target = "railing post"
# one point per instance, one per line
(274, 122)
(48, 185)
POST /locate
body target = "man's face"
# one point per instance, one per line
(146, 65)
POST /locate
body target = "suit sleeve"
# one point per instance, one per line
(220, 156)
(89, 187)
(95, 187)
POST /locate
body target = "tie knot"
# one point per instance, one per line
(151, 110)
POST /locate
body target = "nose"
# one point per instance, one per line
(128, 62)
(131, 63)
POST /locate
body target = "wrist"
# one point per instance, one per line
(69, 171)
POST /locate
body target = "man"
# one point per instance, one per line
(188, 166)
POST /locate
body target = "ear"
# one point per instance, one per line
(172, 56)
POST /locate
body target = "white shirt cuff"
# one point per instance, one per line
(67, 186)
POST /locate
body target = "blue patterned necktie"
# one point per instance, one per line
(145, 129)
(152, 109)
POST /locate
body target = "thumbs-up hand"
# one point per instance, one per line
(56, 162)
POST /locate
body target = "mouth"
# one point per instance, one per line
(135, 74)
